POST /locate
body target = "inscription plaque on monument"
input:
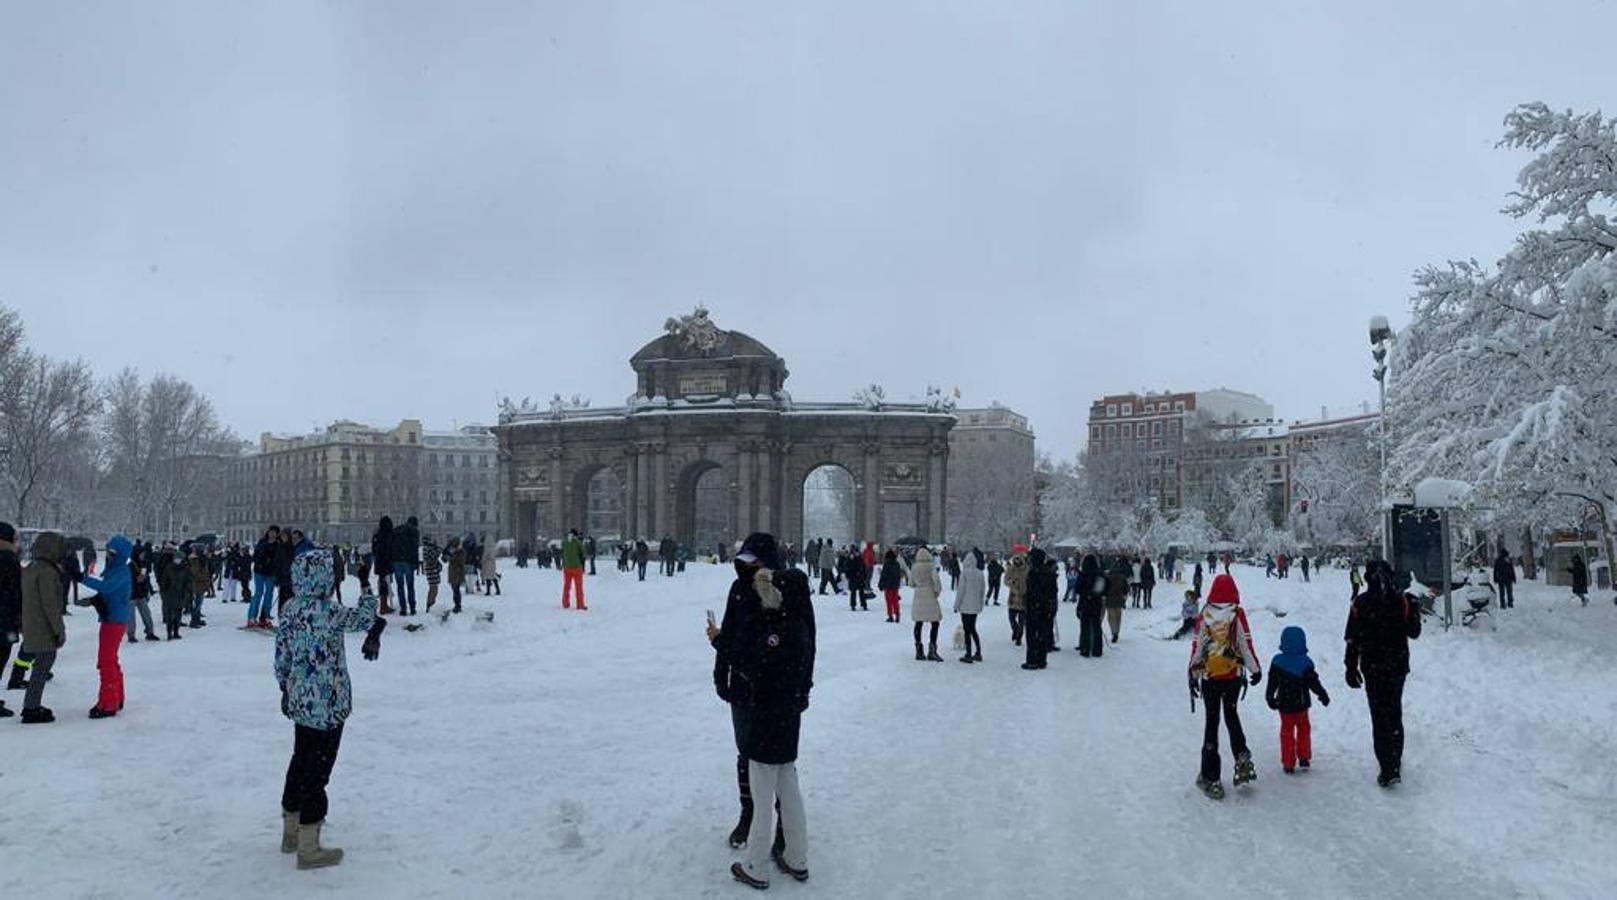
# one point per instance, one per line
(702, 384)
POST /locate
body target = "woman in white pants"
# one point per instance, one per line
(767, 640)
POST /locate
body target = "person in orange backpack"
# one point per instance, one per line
(1222, 660)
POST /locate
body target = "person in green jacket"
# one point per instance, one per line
(572, 570)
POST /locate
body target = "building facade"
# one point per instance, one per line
(992, 495)
(337, 483)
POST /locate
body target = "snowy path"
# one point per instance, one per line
(562, 754)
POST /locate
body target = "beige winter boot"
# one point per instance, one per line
(289, 832)
(310, 854)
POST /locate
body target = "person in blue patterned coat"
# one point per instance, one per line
(312, 670)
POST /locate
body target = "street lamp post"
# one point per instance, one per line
(1380, 337)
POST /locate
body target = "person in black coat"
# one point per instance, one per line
(1504, 579)
(1580, 578)
(284, 551)
(1381, 623)
(996, 573)
(1043, 591)
(764, 668)
(384, 552)
(1091, 607)
(10, 599)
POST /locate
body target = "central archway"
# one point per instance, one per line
(702, 519)
(830, 507)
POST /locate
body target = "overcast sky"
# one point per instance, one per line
(387, 210)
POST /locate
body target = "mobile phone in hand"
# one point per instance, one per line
(711, 621)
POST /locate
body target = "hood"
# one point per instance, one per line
(1090, 566)
(119, 549)
(1294, 640)
(311, 574)
(1293, 655)
(48, 546)
(1223, 590)
(923, 556)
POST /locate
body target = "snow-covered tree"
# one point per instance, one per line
(1507, 376)
(46, 416)
(1338, 479)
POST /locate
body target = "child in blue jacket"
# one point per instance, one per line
(1291, 679)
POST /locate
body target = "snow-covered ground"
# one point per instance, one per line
(566, 754)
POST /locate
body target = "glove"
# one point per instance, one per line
(286, 705)
(1195, 687)
(1325, 701)
(803, 703)
(1256, 677)
(372, 647)
(1353, 679)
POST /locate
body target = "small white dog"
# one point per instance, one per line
(959, 637)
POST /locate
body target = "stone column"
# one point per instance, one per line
(871, 523)
(662, 519)
(508, 494)
(631, 493)
(938, 454)
(558, 499)
(743, 473)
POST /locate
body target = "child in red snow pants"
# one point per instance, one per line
(1295, 741)
(111, 697)
(892, 601)
(572, 579)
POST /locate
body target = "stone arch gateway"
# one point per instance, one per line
(713, 401)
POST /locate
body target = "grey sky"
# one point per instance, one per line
(379, 210)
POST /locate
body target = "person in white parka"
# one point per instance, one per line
(969, 595)
(924, 606)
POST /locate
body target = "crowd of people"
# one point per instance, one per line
(764, 646)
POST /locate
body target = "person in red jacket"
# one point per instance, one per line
(1222, 660)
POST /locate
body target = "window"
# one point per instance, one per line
(1150, 408)
(1111, 410)
(482, 515)
(1179, 406)
(1094, 432)
(1111, 430)
(433, 495)
(1156, 429)
(1128, 429)
(1128, 409)
(449, 516)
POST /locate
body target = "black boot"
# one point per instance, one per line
(919, 654)
(932, 652)
(738, 837)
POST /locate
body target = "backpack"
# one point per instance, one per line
(1221, 648)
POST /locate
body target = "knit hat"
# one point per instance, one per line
(761, 548)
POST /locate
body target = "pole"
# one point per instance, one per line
(1386, 515)
(1448, 574)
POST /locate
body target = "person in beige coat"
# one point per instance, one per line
(1016, 587)
(490, 570)
(924, 606)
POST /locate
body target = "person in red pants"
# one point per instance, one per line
(572, 570)
(892, 578)
(112, 604)
(1291, 679)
